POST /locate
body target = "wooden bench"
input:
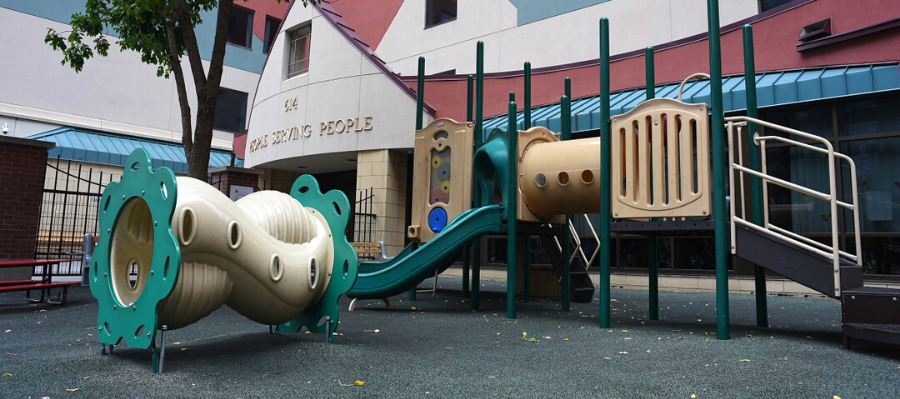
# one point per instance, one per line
(370, 250)
(45, 284)
(58, 299)
(18, 282)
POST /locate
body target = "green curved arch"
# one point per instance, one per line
(137, 323)
(335, 208)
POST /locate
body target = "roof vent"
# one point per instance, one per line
(815, 30)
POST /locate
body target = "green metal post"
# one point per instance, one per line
(526, 238)
(652, 244)
(420, 95)
(470, 92)
(513, 139)
(476, 191)
(527, 96)
(718, 166)
(566, 134)
(526, 268)
(756, 200)
(420, 105)
(650, 72)
(467, 252)
(605, 176)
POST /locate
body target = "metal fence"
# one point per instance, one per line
(68, 212)
(363, 218)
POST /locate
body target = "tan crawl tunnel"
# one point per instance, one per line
(557, 177)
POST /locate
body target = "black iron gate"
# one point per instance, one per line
(363, 218)
(68, 212)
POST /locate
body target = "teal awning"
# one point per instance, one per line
(113, 149)
(772, 88)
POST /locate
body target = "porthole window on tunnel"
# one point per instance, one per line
(439, 186)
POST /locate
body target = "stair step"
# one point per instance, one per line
(871, 314)
(883, 333)
(871, 305)
(582, 287)
(807, 268)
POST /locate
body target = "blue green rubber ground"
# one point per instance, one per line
(442, 349)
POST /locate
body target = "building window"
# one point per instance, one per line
(868, 130)
(272, 25)
(231, 110)
(298, 52)
(240, 28)
(439, 11)
(766, 5)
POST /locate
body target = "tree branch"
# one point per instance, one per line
(175, 61)
(217, 60)
(183, 18)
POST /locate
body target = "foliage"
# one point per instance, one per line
(162, 32)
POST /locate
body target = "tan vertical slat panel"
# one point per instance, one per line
(658, 172)
(630, 164)
(673, 181)
(618, 155)
(643, 164)
(672, 156)
(687, 160)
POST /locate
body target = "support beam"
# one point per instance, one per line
(510, 208)
(605, 176)
(756, 198)
(652, 244)
(722, 252)
(476, 190)
(565, 135)
(467, 252)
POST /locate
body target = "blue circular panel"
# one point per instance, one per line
(437, 219)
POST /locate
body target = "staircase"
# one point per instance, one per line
(868, 313)
(582, 288)
(871, 314)
(795, 263)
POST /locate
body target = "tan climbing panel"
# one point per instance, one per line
(660, 161)
(442, 177)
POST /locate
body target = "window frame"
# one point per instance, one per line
(271, 35)
(243, 109)
(249, 31)
(430, 6)
(293, 37)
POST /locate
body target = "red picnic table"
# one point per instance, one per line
(45, 284)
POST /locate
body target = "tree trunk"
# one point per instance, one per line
(198, 145)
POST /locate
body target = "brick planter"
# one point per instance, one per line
(23, 166)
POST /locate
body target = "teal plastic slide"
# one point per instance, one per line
(406, 270)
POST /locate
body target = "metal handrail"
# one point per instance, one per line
(832, 252)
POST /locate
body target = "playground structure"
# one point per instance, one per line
(280, 260)
(662, 170)
(659, 168)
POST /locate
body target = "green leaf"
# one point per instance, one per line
(745, 360)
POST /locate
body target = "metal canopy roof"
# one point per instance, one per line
(772, 88)
(113, 149)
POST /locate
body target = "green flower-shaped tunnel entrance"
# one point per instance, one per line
(135, 213)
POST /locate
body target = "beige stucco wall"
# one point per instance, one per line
(385, 172)
(562, 39)
(342, 85)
